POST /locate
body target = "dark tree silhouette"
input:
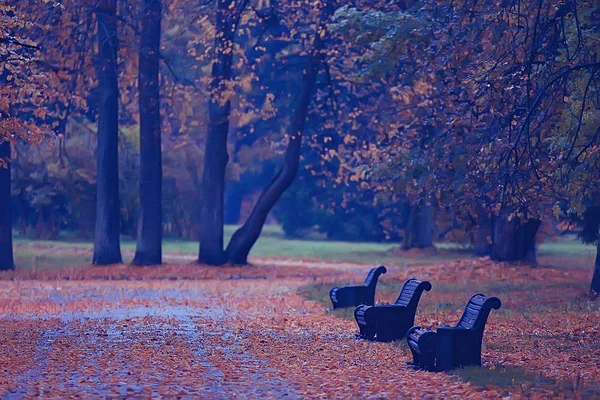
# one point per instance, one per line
(244, 238)
(149, 238)
(590, 234)
(6, 250)
(106, 240)
(215, 156)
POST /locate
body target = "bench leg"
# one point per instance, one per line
(367, 332)
(445, 353)
(385, 332)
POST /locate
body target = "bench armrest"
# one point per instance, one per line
(422, 340)
(457, 333)
(390, 309)
(451, 330)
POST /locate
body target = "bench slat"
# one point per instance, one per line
(453, 347)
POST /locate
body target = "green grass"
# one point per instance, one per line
(272, 243)
(500, 376)
(506, 377)
(319, 292)
(70, 251)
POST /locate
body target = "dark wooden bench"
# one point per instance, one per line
(389, 322)
(453, 347)
(352, 296)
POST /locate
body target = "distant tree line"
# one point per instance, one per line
(417, 119)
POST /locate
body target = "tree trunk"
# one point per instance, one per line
(513, 241)
(425, 228)
(419, 229)
(6, 250)
(595, 286)
(244, 238)
(215, 155)
(482, 235)
(106, 240)
(150, 225)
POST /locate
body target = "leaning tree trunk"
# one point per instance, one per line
(514, 241)
(106, 240)
(595, 286)
(6, 250)
(150, 225)
(215, 155)
(245, 237)
(419, 229)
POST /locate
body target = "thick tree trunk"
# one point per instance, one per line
(106, 240)
(595, 286)
(513, 241)
(419, 229)
(150, 225)
(425, 228)
(482, 235)
(215, 155)
(590, 233)
(244, 238)
(6, 250)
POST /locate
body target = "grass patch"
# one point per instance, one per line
(70, 251)
(320, 293)
(271, 244)
(500, 376)
(528, 382)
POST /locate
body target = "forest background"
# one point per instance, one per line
(406, 122)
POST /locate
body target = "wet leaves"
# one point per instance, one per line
(245, 332)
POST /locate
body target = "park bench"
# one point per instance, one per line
(352, 296)
(453, 347)
(388, 322)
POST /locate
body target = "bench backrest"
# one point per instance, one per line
(411, 293)
(477, 311)
(373, 276)
(371, 281)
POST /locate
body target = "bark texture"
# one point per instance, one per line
(150, 225)
(419, 229)
(6, 249)
(481, 237)
(595, 286)
(106, 239)
(215, 156)
(513, 240)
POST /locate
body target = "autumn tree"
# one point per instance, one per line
(590, 234)
(25, 92)
(478, 106)
(150, 225)
(215, 156)
(6, 250)
(244, 238)
(106, 239)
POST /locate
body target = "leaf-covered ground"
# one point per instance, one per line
(265, 331)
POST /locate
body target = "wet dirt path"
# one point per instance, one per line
(154, 338)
